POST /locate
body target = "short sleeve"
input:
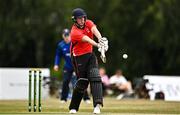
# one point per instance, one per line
(90, 24)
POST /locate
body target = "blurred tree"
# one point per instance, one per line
(146, 30)
(29, 31)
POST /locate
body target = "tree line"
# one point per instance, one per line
(148, 31)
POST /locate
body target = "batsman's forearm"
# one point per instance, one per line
(96, 32)
(89, 40)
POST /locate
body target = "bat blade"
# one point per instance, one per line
(103, 56)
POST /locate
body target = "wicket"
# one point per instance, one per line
(34, 73)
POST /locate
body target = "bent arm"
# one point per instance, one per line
(89, 40)
(96, 32)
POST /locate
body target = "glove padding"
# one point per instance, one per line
(102, 48)
(103, 42)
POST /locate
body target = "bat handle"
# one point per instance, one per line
(103, 56)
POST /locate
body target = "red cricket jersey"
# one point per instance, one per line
(78, 46)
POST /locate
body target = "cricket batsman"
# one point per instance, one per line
(84, 60)
(63, 52)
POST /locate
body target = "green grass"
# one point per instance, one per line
(111, 106)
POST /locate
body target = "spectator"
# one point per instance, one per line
(119, 82)
(105, 81)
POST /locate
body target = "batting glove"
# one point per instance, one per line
(104, 43)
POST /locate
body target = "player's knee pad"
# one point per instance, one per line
(93, 75)
(81, 85)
